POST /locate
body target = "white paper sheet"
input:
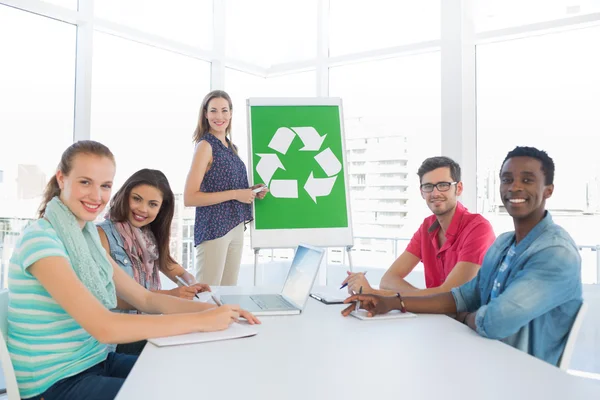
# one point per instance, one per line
(233, 332)
(362, 314)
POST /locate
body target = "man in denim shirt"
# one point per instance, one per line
(528, 290)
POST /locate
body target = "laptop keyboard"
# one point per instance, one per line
(271, 302)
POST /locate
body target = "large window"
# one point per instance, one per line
(145, 99)
(544, 91)
(392, 122)
(37, 83)
(267, 32)
(359, 26)
(190, 22)
(145, 104)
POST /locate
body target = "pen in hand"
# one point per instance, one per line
(346, 284)
(357, 307)
(217, 301)
(184, 283)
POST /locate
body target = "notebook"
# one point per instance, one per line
(234, 331)
(330, 295)
(394, 314)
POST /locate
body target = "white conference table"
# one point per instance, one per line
(322, 355)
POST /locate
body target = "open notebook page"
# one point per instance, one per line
(234, 331)
(362, 314)
(332, 294)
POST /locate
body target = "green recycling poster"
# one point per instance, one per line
(297, 151)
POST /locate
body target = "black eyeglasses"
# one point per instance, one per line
(440, 186)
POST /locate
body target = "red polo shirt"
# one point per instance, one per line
(467, 239)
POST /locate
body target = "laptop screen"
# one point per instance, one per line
(302, 274)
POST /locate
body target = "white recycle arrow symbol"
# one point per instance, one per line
(318, 187)
(282, 139)
(310, 137)
(284, 188)
(267, 165)
(288, 188)
(329, 162)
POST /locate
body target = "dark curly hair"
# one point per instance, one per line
(547, 162)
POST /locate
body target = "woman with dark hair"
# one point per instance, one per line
(217, 185)
(136, 234)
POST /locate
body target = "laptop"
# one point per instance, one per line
(296, 288)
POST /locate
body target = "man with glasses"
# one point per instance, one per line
(451, 243)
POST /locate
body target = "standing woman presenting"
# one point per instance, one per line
(217, 185)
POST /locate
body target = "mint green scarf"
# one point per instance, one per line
(88, 257)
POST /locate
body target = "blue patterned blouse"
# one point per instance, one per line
(227, 172)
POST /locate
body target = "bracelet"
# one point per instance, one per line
(464, 321)
(402, 306)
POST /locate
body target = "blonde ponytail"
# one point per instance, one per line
(52, 190)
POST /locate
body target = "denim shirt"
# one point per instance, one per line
(117, 252)
(542, 295)
(117, 248)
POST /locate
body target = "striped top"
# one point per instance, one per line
(45, 343)
(227, 172)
